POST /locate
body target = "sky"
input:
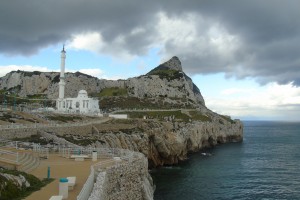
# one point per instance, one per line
(244, 55)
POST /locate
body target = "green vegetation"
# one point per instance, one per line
(111, 103)
(9, 189)
(114, 91)
(81, 142)
(9, 99)
(31, 73)
(56, 79)
(196, 115)
(6, 97)
(169, 74)
(77, 74)
(228, 118)
(64, 118)
(37, 96)
(120, 121)
(3, 91)
(37, 138)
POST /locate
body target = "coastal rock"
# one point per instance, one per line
(162, 141)
(167, 143)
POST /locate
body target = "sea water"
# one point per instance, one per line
(266, 165)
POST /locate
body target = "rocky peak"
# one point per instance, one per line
(167, 81)
(174, 63)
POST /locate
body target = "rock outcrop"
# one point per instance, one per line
(167, 81)
(15, 184)
(172, 64)
(164, 142)
(127, 180)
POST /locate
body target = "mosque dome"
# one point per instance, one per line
(82, 93)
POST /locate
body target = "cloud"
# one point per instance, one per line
(93, 72)
(8, 68)
(232, 91)
(269, 101)
(94, 42)
(87, 41)
(255, 38)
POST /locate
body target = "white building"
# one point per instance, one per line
(81, 104)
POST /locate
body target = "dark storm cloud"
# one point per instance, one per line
(27, 27)
(266, 44)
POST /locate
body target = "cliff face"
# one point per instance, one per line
(164, 138)
(167, 80)
(164, 142)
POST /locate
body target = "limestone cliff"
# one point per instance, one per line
(164, 142)
(178, 121)
(167, 81)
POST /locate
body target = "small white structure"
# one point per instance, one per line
(82, 104)
(71, 182)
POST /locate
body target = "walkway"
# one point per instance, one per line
(61, 167)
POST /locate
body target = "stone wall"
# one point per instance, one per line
(82, 129)
(17, 133)
(11, 133)
(125, 180)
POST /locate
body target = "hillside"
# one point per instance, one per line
(168, 116)
(166, 86)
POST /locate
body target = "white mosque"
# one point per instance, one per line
(81, 104)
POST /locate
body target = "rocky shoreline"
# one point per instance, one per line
(167, 143)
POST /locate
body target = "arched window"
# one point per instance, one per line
(77, 104)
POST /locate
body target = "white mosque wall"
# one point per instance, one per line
(118, 116)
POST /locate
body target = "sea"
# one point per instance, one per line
(266, 165)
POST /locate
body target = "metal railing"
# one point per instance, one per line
(18, 126)
(37, 149)
(9, 156)
(102, 153)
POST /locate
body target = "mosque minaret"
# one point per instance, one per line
(82, 104)
(62, 74)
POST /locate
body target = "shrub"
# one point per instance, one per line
(114, 91)
(9, 189)
(168, 74)
(196, 115)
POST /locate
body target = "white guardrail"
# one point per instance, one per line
(12, 156)
(102, 153)
(9, 156)
(88, 186)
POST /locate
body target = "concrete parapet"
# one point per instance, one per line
(126, 179)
